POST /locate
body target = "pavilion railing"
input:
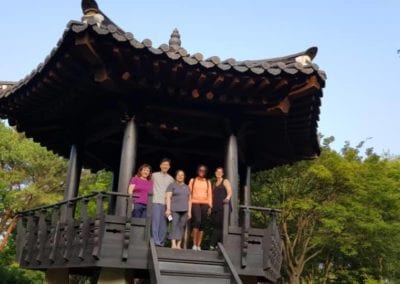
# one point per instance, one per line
(46, 231)
(84, 232)
(271, 242)
(264, 236)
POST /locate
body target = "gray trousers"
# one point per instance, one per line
(158, 224)
(178, 225)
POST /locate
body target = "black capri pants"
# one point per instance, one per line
(199, 215)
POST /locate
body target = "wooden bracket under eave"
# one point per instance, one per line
(282, 108)
(307, 89)
(85, 48)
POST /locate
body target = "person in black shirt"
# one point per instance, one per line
(222, 193)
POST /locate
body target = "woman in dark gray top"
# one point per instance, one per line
(178, 207)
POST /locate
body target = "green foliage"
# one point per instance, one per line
(11, 273)
(14, 274)
(340, 219)
(32, 176)
(342, 214)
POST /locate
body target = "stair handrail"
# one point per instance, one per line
(154, 265)
(229, 263)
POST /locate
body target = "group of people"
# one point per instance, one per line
(177, 202)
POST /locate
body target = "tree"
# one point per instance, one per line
(338, 211)
(31, 176)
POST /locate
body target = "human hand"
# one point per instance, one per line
(226, 200)
(189, 216)
(168, 213)
(209, 211)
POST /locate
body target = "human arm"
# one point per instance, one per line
(228, 187)
(131, 188)
(191, 186)
(190, 206)
(168, 202)
(209, 196)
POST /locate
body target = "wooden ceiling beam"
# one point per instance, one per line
(184, 112)
(179, 129)
(182, 150)
(98, 161)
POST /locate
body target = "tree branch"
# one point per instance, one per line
(312, 256)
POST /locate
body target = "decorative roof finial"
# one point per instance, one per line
(175, 40)
(90, 9)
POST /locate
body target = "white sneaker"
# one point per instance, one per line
(194, 248)
(198, 248)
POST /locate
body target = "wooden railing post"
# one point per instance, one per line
(148, 216)
(42, 235)
(247, 188)
(84, 228)
(55, 232)
(21, 235)
(245, 236)
(128, 226)
(30, 237)
(69, 229)
(98, 225)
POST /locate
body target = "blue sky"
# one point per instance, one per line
(357, 41)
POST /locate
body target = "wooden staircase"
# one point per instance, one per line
(188, 266)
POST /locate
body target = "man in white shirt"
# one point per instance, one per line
(161, 181)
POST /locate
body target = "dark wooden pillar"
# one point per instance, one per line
(72, 182)
(127, 164)
(232, 173)
(114, 188)
(73, 173)
(247, 188)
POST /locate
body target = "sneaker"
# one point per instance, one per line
(212, 247)
(194, 247)
(198, 248)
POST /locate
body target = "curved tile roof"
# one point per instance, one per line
(257, 87)
(292, 64)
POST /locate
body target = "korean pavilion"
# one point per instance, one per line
(105, 100)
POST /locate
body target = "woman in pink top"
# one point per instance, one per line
(141, 185)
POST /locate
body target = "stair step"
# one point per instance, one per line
(189, 256)
(194, 277)
(172, 279)
(192, 268)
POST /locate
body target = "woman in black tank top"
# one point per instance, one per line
(222, 193)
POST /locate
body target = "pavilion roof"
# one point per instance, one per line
(98, 75)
